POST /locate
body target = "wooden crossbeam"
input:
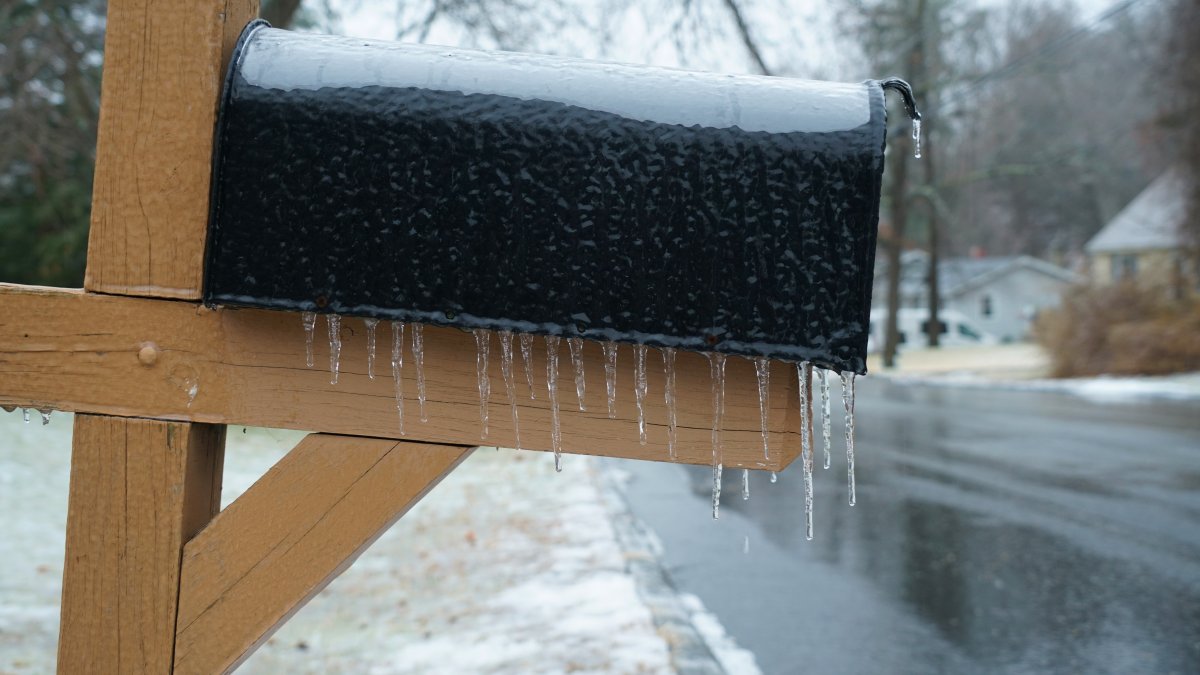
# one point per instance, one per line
(71, 350)
(139, 490)
(289, 535)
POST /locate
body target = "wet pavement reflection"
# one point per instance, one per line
(995, 531)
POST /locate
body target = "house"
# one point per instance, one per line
(1144, 243)
(999, 295)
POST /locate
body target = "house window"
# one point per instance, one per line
(966, 331)
(1123, 267)
(985, 305)
(901, 338)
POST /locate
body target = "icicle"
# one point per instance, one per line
(916, 134)
(418, 352)
(510, 382)
(848, 403)
(335, 346)
(826, 427)
(610, 376)
(310, 326)
(483, 340)
(746, 545)
(668, 354)
(762, 369)
(8, 408)
(576, 346)
(774, 477)
(552, 390)
(716, 363)
(640, 387)
(745, 484)
(398, 369)
(25, 415)
(804, 372)
(45, 416)
(371, 324)
(527, 357)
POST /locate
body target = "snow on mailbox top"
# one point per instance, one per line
(548, 195)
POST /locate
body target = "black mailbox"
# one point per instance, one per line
(547, 195)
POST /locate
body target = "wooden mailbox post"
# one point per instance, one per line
(157, 578)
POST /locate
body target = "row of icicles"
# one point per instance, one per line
(805, 372)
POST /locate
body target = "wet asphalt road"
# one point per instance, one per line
(995, 532)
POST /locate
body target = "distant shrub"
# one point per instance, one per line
(1120, 330)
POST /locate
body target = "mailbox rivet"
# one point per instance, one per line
(148, 354)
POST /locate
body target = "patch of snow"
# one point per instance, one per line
(734, 659)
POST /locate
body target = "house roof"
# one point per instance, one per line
(958, 275)
(1151, 221)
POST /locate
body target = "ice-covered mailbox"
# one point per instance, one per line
(719, 213)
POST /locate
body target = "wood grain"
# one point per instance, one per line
(139, 490)
(71, 350)
(289, 535)
(163, 70)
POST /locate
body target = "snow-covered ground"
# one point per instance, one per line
(1023, 366)
(506, 567)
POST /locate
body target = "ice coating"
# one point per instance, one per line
(804, 373)
(334, 323)
(510, 381)
(398, 370)
(668, 355)
(371, 325)
(309, 320)
(418, 352)
(552, 342)
(482, 345)
(284, 60)
(610, 376)
(640, 387)
(576, 346)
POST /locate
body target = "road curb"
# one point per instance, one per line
(690, 654)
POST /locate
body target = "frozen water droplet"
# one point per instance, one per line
(527, 357)
(45, 416)
(418, 352)
(310, 327)
(774, 477)
(610, 376)
(804, 373)
(510, 382)
(576, 346)
(25, 415)
(483, 341)
(668, 354)
(335, 346)
(640, 387)
(552, 390)
(398, 370)
(745, 484)
(716, 362)
(8, 408)
(916, 135)
(371, 324)
(826, 427)
(848, 404)
(762, 370)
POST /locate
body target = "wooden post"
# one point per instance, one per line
(139, 490)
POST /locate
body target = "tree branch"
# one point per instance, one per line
(747, 39)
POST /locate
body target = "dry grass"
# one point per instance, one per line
(1121, 330)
